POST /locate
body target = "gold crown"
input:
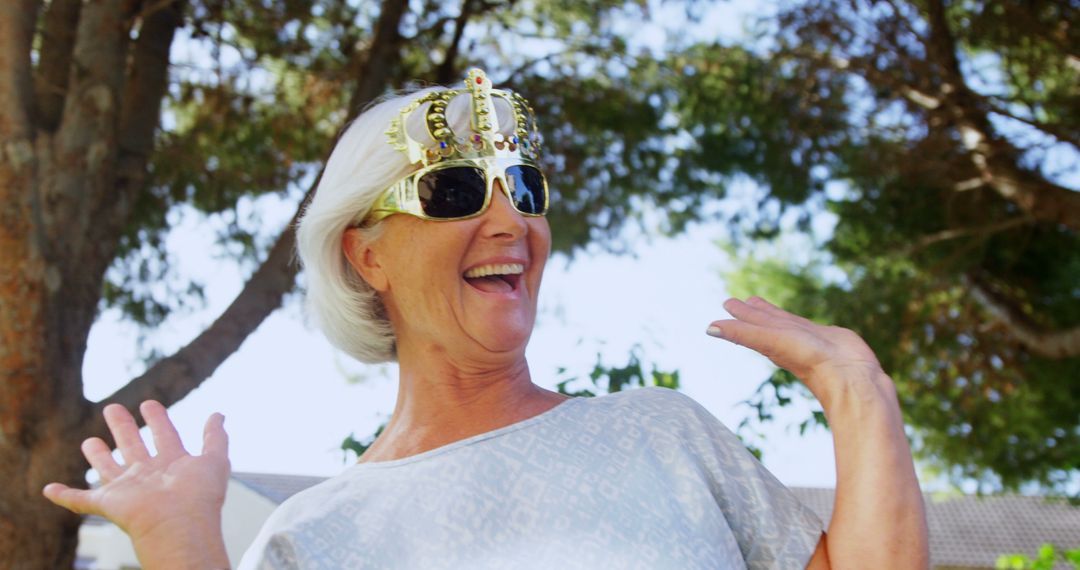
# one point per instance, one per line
(484, 141)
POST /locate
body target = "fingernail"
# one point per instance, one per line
(714, 330)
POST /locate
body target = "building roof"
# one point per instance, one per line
(971, 532)
(276, 487)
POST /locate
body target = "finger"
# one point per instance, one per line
(756, 337)
(126, 434)
(166, 440)
(74, 500)
(765, 305)
(99, 455)
(746, 312)
(215, 440)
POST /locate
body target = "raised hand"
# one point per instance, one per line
(164, 502)
(878, 519)
(822, 356)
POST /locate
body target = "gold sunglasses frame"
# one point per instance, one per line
(402, 196)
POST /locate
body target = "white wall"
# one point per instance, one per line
(243, 515)
(106, 547)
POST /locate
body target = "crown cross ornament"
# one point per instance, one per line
(483, 139)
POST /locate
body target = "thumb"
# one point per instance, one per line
(215, 440)
(75, 500)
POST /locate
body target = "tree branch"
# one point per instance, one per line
(54, 66)
(995, 158)
(1048, 343)
(515, 74)
(148, 80)
(941, 47)
(955, 233)
(17, 19)
(87, 129)
(99, 59)
(382, 58)
(174, 377)
(139, 118)
(1034, 194)
(1060, 134)
(445, 73)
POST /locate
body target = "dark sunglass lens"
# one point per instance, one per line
(527, 187)
(452, 192)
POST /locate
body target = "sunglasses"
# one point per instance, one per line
(461, 189)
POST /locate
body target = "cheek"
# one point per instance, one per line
(424, 265)
(539, 239)
(540, 250)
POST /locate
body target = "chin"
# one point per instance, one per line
(505, 337)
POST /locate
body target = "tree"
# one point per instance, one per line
(956, 247)
(83, 184)
(102, 135)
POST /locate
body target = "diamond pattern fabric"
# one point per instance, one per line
(644, 478)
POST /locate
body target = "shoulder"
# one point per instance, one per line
(274, 546)
(652, 400)
(655, 404)
(312, 502)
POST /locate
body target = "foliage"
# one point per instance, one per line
(604, 379)
(959, 283)
(1047, 559)
(945, 122)
(835, 92)
(121, 118)
(254, 107)
(356, 446)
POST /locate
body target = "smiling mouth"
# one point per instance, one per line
(500, 279)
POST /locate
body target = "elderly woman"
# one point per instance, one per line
(429, 251)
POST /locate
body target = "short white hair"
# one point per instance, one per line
(362, 165)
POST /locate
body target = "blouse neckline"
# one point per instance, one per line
(548, 414)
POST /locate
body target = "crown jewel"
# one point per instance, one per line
(483, 139)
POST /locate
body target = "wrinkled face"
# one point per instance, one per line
(469, 286)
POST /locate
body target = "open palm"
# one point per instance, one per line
(149, 492)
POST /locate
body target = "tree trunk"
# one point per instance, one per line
(72, 160)
(45, 317)
(34, 533)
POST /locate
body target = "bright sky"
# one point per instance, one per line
(289, 401)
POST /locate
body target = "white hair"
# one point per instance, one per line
(362, 165)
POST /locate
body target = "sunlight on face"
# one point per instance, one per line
(431, 300)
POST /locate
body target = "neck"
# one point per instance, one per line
(441, 401)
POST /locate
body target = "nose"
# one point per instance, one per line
(501, 219)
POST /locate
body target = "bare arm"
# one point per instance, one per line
(878, 519)
(169, 504)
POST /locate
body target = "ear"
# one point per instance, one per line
(364, 259)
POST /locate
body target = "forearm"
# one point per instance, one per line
(191, 543)
(878, 519)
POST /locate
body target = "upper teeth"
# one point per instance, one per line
(495, 269)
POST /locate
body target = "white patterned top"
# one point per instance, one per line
(638, 479)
